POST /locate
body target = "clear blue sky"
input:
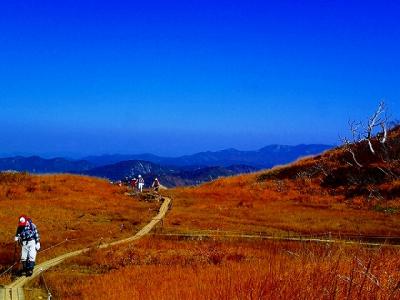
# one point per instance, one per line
(177, 77)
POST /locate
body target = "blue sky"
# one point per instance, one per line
(178, 77)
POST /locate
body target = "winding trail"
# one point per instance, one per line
(14, 291)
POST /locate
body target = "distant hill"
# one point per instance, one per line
(168, 176)
(108, 159)
(36, 164)
(266, 157)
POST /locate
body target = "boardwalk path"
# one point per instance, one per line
(14, 290)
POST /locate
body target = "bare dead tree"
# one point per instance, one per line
(373, 150)
(374, 128)
(377, 120)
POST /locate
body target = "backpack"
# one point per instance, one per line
(29, 231)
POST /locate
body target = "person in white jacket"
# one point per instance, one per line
(29, 239)
(140, 183)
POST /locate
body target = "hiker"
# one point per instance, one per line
(28, 237)
(140, 183)
(156, 184)
(134, 183)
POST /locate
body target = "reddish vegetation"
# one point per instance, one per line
(314, 195)
(328, 193)
(83, 210)
(155, 268)
(274, 207)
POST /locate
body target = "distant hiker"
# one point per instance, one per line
(140, 183)
(28, 237)
(156, 184)
(134, 183)
(126, 181)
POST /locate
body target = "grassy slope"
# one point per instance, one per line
(70, 207)
(314, 195)
(268, 207)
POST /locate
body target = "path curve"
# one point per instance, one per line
(14, 291)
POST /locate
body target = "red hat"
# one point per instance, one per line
(22, 220)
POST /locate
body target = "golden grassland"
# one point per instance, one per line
(159, 268)
(316, 195)
(321, 194)
(245, 204)
(83, 210)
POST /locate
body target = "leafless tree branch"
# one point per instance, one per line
(348, 147)
(377, 120)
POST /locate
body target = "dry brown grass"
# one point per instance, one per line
(83, 210)
(244, 204)
(311, 196)
(155, 268)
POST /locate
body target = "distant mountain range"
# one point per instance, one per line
(184, 170)
(266, 157)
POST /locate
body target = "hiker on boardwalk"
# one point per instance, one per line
(140, 183)
(28, 237)
(156, 184)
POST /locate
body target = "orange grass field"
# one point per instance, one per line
(84, 210)
(156, 268)
(245, 205)
(323, 195)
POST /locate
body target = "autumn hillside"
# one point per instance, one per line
(345, 191)
(353, 171)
